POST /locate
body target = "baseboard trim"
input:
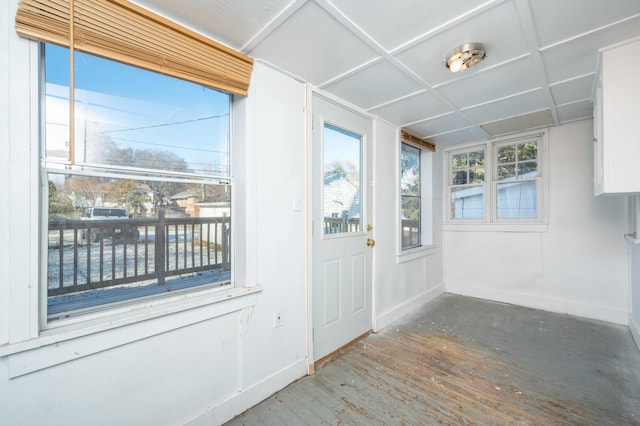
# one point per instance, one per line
(406, 308)
(635, 330)
(582, 310)
(244, 399)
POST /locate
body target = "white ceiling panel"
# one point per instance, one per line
(469, 134)
(575, 111)
(406, 20)
(507, 107)
(579, 56)
(412, 109)
(573, 90)
(534, 120)
(233, 23)
(503, 41)
(482, 87)
(442, 124)
(313, 45)
(560, 20)
(374, 85)
(387, 57)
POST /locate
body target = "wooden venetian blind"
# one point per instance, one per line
(122, 31)
(415, 140)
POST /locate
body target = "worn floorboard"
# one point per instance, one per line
(466, 361)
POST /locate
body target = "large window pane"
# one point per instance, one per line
(126, 116)
(342, 195)
(110, 240)
(144, 208)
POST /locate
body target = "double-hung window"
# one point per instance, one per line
(496, 182)
(410, 196)
(415, 192)
(144, 209)
(136, 154)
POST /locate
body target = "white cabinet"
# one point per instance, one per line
(616, 121)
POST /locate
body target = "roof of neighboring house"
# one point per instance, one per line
(189, 193)
(340, 194)
(220, 197)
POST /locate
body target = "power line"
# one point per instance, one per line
(168, 146)
(167, 124)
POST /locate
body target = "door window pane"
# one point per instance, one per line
(342, 195)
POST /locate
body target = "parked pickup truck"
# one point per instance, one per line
(118, 232)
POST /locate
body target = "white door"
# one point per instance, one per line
(341, 206)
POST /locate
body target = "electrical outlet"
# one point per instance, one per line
(278, 319)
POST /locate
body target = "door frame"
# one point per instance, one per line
(312, 91)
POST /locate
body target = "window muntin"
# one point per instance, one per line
(153, 145)
(466, 184)
(516, 186)
(410, 194)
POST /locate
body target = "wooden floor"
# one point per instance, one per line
(466, 361)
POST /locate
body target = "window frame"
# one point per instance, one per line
(450, 185)
(536, 224)
(495, 181)
(426, 245)
(418, 197)
(163, 302)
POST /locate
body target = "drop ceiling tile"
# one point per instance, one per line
(510, 79)
(579, 57)
(573, 90)
(559, 20)
(498, 28)
(374, 85)
(469, 134)
(405, 20)
(575, 111)
(531, 121)
(441, 124)
(232, 23)
(411, 109)
(508, 107)
(313, 45)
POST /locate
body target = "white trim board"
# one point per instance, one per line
(407, 307)
(600, 313)
(244, 399)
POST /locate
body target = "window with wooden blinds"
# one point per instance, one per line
(122, 31)
(417, 141)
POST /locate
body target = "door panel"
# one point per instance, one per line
(341, 205)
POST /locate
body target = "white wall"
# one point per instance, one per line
(205, 357)
(401, 283)
(578, 265)
(634, 315)
(202, 358)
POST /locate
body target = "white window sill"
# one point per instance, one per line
(77, 340)
(496, 227)
(415, 253)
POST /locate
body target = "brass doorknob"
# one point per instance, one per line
(370, 242)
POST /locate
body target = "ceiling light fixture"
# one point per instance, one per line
(465, 56)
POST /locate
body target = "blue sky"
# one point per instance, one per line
(142, 109)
